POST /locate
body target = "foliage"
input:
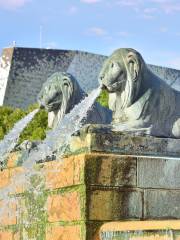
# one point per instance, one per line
(34, 212)
(35, 130)
(103, 98)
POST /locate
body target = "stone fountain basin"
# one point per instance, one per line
(140, 230)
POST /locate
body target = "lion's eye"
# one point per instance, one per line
(57, 94)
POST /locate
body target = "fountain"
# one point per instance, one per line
(97, 182)
(56, 141)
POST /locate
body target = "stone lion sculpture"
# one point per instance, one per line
(137, 97)
(60, 93)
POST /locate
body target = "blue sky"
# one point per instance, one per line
(100, 26)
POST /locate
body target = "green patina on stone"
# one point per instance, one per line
(34, 214)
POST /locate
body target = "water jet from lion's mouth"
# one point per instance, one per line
(113, 88)
(11, 139)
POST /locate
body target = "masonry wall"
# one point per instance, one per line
(82, 192)
(58, 212)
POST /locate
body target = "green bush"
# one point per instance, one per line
(36, 129)
(103, 98)
(8, 117)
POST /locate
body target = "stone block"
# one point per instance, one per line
(164, 204)
(8, 214)
(79, 169)
(18, 186)
(64, 233)
(110, 170)
(81, 143)
(176, 235)
(144, 226)
(64, 207)
(4, 178)
(59, 173)
(33, 230)
(16, 236)
(65, 172)
(114, 204)
(92, 229)
(103, 138)
(13, 159)
(5, 235)
(158, 173)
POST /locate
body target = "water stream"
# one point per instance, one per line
(11, 139)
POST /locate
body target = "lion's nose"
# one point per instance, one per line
(41, 106)
(101, 77)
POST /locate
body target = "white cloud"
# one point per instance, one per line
(171, 8)
(130, 3)
(148, 16)
(139, 6)
(163, 29)
(90, 1)
(149, 13)
(133, 4)
(12, 4)
(150, 10)
(159, 1)
(123, 34)
(72, 10)
(97, 31)
(167, 6)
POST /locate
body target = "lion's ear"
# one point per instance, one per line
(133, 65)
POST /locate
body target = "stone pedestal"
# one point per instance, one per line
(138, 230)
(105, 176)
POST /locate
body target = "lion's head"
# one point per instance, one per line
(121, 74)
(59, 94)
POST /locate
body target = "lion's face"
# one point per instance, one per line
(113, 75)
(121, 74)
(52, 94)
